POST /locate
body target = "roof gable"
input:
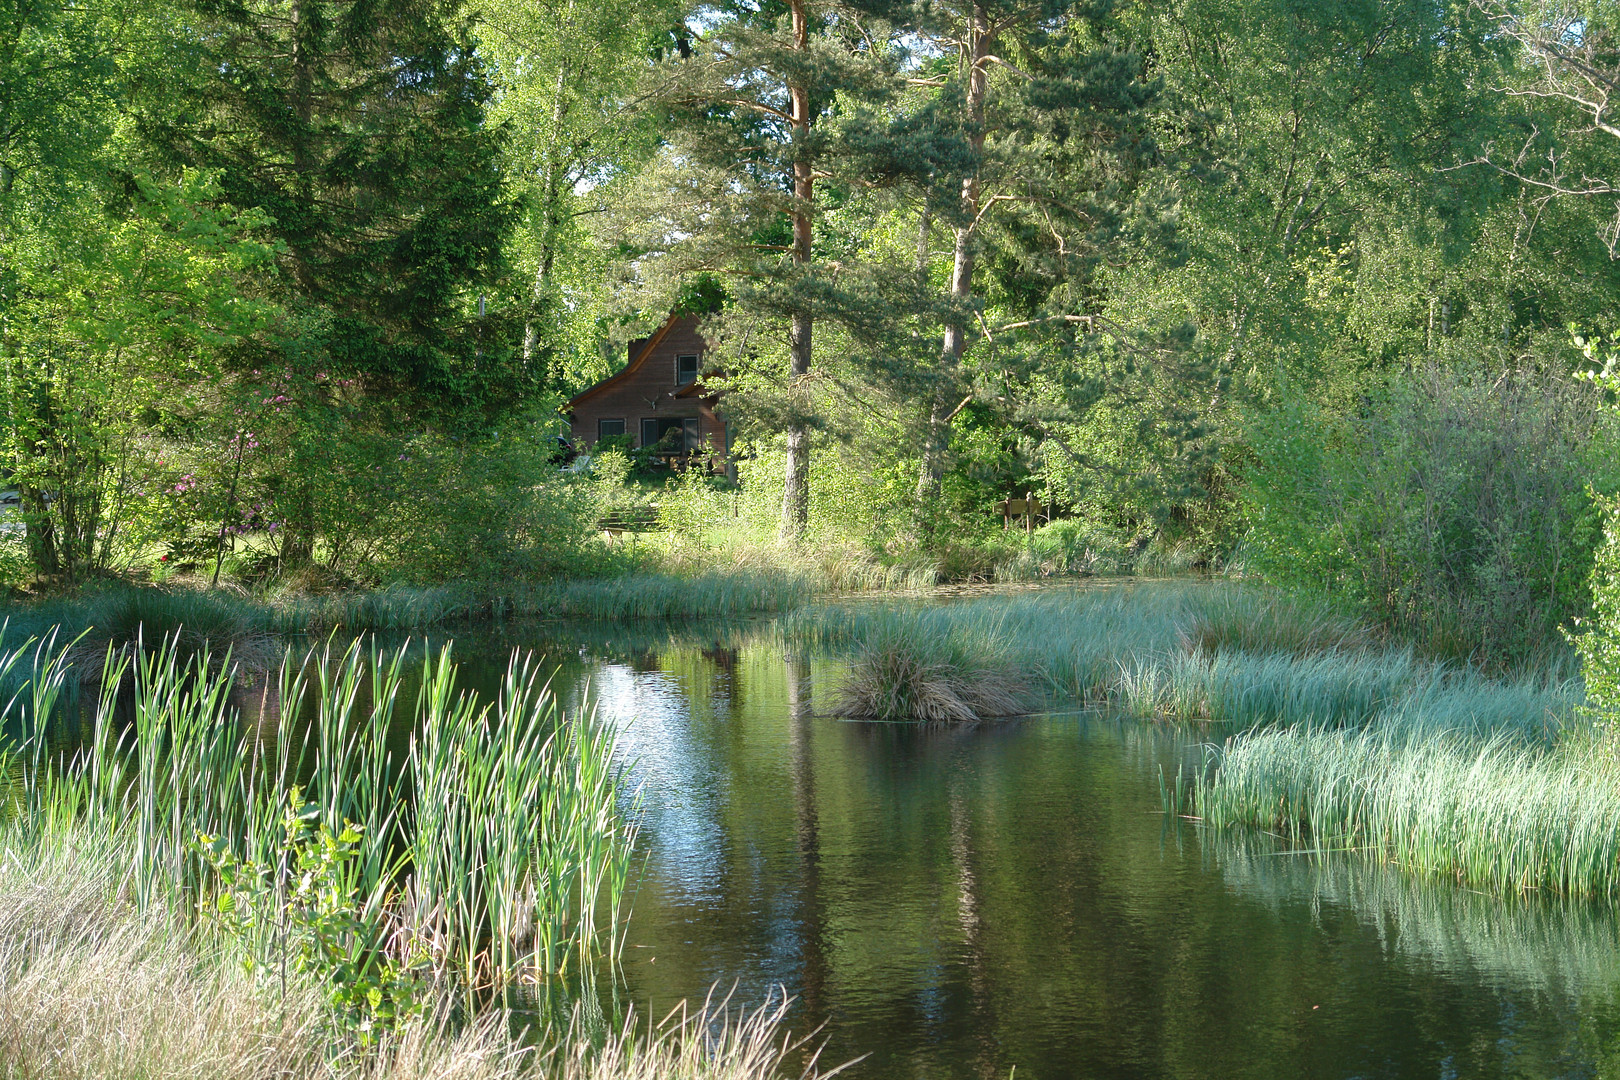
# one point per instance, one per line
(628, 372)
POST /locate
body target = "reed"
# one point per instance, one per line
(1495, 813)
(509, 860)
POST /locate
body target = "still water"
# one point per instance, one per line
(964, 902)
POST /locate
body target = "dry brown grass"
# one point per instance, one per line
(713, 1042)
(90, 991)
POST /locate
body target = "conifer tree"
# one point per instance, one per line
(359, 127)
(744, 172)
(1055, 113)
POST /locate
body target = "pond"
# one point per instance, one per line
(971, 901)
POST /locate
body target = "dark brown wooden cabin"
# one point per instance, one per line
(657, 399)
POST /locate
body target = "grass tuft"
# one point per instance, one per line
(893, 680)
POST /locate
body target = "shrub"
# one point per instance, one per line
(492, 510)
(1454, 508)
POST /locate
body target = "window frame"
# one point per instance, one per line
(601, 434)
(697, 367)
(691, 432)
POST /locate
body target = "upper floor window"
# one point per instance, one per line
(686, 370)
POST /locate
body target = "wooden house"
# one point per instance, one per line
(656, 399)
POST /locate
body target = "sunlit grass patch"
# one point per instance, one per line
(895, 680)
(1493, 813)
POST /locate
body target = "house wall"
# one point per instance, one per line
(649, 392)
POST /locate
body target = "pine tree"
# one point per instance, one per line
(1055, 113)
(358, 126)
(744, 174)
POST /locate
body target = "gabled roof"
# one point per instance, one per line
(629, 369)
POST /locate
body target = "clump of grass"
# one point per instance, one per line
(1494, 813)
(894, 680)
(1266, 621)
(712, 1042)
(1249, 690)
(633, 596)
(217, 622)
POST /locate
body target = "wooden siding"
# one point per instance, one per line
(646, 389)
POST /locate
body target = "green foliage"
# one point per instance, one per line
(1454, 508)
(109, 319)
(300, 914)
(360, 132)
(486, 510)
(315, 857)
(1598, 641)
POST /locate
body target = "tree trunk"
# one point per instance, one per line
(551, 218)
(941, 407)
(796, 478)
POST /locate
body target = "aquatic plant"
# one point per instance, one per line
(1498, 813)
(488, 851)
(895, 680)
(1267, 621)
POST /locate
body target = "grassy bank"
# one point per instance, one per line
(1328, 734)
(291, 892)
(1220, 652)
(94, 989)
(218, 619)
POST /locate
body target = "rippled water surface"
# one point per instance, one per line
(963, 902)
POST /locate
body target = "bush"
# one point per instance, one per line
(497, 509)
(1455, 508)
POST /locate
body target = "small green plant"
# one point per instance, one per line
(302, 916)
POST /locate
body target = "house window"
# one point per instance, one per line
(604, 428)
(686, 370)
(672, 434)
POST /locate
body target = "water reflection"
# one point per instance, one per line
(956, 902)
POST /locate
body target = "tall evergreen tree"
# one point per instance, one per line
(359, 127)
(1056, 114)
(746, 168)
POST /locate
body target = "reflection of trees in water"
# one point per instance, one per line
(807, 827)
(1538, 943)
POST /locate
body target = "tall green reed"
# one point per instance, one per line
(496, 844)
(1493, 812)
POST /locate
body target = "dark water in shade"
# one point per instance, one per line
(963, 902)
